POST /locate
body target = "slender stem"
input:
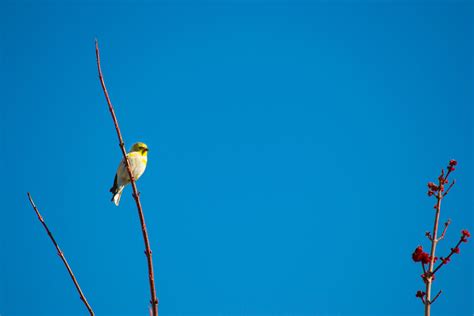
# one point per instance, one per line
(444, 230)
(448, 257)
(434, 239)
(61, 255)
(449, 188)
(136, 194)
(434, 242)
(437, 295)
(428, 235)
(447, 174)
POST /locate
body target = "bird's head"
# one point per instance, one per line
(142, 148)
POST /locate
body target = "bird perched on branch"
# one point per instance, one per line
(138, 159)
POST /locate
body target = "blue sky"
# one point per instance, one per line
(290, 147)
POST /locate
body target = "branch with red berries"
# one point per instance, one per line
(428, 260)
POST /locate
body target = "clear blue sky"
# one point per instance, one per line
(290, 147)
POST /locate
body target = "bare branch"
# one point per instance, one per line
(446, 224)
(61, 255)
(448, 258)
(449, 188)
(428, 235)
(437, 295)
(136, 195)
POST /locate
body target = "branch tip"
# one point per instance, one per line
(61, 255)
(437, 295)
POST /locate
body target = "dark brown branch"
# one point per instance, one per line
(61, 255)
(448, 258)
(437, 295)
(136, 195)
(449, 188)
(447, 174)
(428, 235)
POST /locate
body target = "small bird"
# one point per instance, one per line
(138, 159)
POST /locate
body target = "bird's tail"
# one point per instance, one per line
(117, 193)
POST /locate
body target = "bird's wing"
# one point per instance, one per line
(122, 174)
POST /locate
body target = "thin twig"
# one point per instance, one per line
(428, 235)
(61, 255)
(444, 230)
(449, 188)
(437, 295)
(448, 258)
(136, 194)
(447, 174)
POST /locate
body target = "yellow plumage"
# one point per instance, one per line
(138, 157)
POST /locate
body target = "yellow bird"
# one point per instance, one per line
(137, 157)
